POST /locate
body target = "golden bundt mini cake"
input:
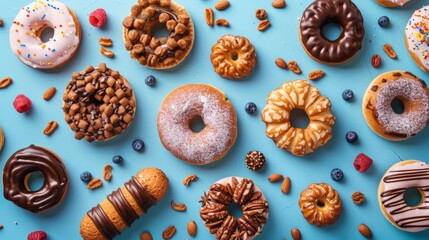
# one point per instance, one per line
(276, 114)
(233, 57)
(320, 204)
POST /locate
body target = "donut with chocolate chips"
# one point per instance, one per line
(98, 103)
(391, 123)
(158, 52)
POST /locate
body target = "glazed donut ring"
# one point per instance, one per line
(247, 195)
(27, 28)
(158, 53)
(416, 34)
(184, 104)
(347, 45)
(377, 110)
(320, 204)
(27, 161)
(399, 177)
(233, 57)
(276, 115)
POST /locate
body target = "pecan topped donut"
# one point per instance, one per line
(98, 103)
(150, 51)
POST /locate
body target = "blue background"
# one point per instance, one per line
(280, 40)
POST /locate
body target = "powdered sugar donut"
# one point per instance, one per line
(27, 28)
(416, 37)
(379, 114)
(186, 103)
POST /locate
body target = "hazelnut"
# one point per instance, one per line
(133, 35)
(128, 22)
(180, 28)
(136, 10)
(163, 17)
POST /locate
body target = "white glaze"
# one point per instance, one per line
(417, 35)
(29, 47)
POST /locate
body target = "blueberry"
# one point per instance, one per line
(250, 108)
(383, 21)
(351, 137)
(337, 174)
(138, 145)
(348, 95)
(150, 80)
(86, 177)
(117, 159)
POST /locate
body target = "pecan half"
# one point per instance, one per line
(389, 50)
(255, 208)
(209, 15)
(106, 52)
(50, 128)
(315, 75)
(219, 193)
(95, 183)
(227, 228)
(244, 191)
(169, 232)
(358, 198)
(5, 82)
(222, 22)
(293, 66)
(190, 178)
(213, 212)
(107, 172)
(261, 14)
(264, 25)
(249, 225)
(105, 42)
(180, 207)
(1, 138)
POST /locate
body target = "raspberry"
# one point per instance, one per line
(22, 103)
(37, 235)
(98, 17)
(362, 162)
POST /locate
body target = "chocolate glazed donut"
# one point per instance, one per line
(347, 16)
(16, 174)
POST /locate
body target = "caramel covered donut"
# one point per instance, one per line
(153, 52)
(378, 112)
(98, 103)
(233, 57)
(27, 28)
(186, 103)
(276, 115)
(17, 172)
(347, 16)
(392, 3)
(243, 192)
(400, 177)
(320, 204)
(416, 37)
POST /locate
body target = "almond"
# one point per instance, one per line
(389, 51)
(105, 42)
(50, 128)
(281, 63)
(286, 185)
(95, 183)
(316, 75)
(5, 82)
(49, 93)
(296, 234)
(263, 25)
(222, 22)
(222, 5)
(146, 236)
(107, 172)
(209, 15)
(169, 232)
(192, 228)
(365, 231)
(275, 177)
(1, 138)
(180, 207)
(190, 178)
(106, 52)
(279, 3)
(293, 66)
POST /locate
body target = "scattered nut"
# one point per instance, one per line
(106, 52)
(281, 63)
(5, 82)
(107, 172)
(285, 187)
(146, 236)
(105, 42)
(365, 231)
(279, 3)
(222, 5)
(49, 93)
(296, 234)
(180, 207)
(222, 22)
(1, 225)
(275, 177)
(169, 232)
(375, 60)
(255, 160)
(358, 198)
(263, 25)
(95, 183)
(261, 14)
(389, 51)
(192, 228)
(208, 12)
(316, 75)
(190, 178)
(293, 66)
(1, 22)
(50, 128)
(1, 138)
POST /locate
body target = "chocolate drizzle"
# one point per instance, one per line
(102, 222)
(122, 206)
(140, 195)
(27, 161)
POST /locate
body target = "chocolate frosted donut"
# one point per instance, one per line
(19, 168)
(347, 16)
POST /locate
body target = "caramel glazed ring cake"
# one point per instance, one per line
(276, 114)
(378, 112)
(98, 103)
(152, 52)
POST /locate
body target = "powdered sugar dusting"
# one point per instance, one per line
(416, 114)
(184, 104)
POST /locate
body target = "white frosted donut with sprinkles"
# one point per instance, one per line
(27, 28)
(417, 37)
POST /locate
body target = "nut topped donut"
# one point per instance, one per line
(26, 34)
(153, 52)
(247, 195)
(98, 103)
(377, 109)
(347, 45)
(233, 57)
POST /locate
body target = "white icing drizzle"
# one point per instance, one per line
(417, 35)
(411, 121)
(395, 182)
(29, 47)
(185, 104)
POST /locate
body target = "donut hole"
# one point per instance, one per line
(320, 203)
(159, 30)
(197, 124)
(234, 56)
(331, 30)
(299, 118)
(234, 210)
(34, 181)
(46, 34)
(397, 105)
(413, 197)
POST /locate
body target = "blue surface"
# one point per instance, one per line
(280, 40)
